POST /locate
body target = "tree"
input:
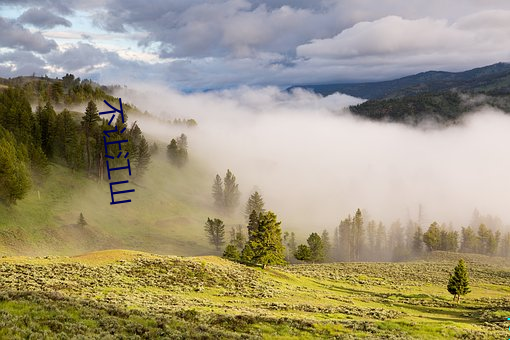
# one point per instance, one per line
(469, 241)
(432, 237)
(143, 157)
(253, 224)
(303, 253)
(326, 243)
(266, 241)
(237, 237)
(345, 233)
(247, 254)
(255, 203)
(88, 123)
(81, 221)
(458, 284)
(215, 230)
(316, 247)
(217, 192)
(289, 239)
(177, 151)
(357, 234)
(418, 241)
(14, 175)
(231, 253)
(230, 192)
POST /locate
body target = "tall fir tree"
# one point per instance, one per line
(143, 158)
(357, 233)
(316, 247)
(217, 193)
(215, 231)
(255, 203)
(266, 241)
(326, 243)
(14, 175)
(458, 283)
(231, 192)
(88, 123)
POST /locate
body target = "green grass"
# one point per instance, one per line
(166, 215)
(140, 295)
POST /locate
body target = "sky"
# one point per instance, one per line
(194, 45)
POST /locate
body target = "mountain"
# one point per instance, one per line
(488, 79)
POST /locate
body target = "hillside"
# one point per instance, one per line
(166, 214)
(488, 79)
(443, 97)
(139, 295)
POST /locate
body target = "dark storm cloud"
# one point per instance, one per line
(41, 18)
(16, 36)
(60, 6)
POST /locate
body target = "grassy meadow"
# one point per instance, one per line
(136, 295)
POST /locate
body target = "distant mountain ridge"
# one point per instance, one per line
(492, 79)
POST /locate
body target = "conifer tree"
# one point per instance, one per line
(432, 237)
(255, 203)
(357, 234)
(231, 253)
(303, 253)
(217, 192)
(88, 123)
(231, 192)
(143, 158)
(458, 283)
(81, 221)
(266, 241)
(316, 247)
(326, 243)
(215, 231)
(418, 241)
(14, 175)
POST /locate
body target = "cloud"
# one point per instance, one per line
(80, 56)
(21, 62)
(42, 18)
(15, 36)
(314, 163)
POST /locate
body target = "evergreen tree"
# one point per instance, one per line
(14, 175)
(177, 151)
(255, 203)
(345, 231)
(230, 192)
(418, 241)
(371, 237)
(432, 237)
(215, 231)
(253, 224)
(266, 241)
(88, 123)
(217, 193)
(326, 243)
(469, 241)
(46, 118)
(247, 254)
(81, 221)
(231, 253)
(357, 234)
(303, 253)
(381, 239)
(316, 247)
(505, 245)
(289, 240)
(458, 283)
(237, 237)
(143, 158)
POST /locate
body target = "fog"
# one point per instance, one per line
(315, 163)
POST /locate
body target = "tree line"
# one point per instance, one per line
(30, 140)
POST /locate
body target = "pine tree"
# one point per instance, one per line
(289, 240)
(231, 253)
(470, 243)
(326, 243)
(143, 158)
(237, 237)
(247, 254)
(316, 247)
(303, 253)
(88, 123)
(418, 241)
(215, 230)
(458, 283)
(255, 203)
(432, 237)
(357, 234)
(81, 221)
(345, 233)
(14, 175)
(217, 193)
(230, 192)
(266, 241)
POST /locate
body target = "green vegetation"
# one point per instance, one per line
(139, 295)
(215, 230)
(458, 284)
(177, 151)
(226, 193)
